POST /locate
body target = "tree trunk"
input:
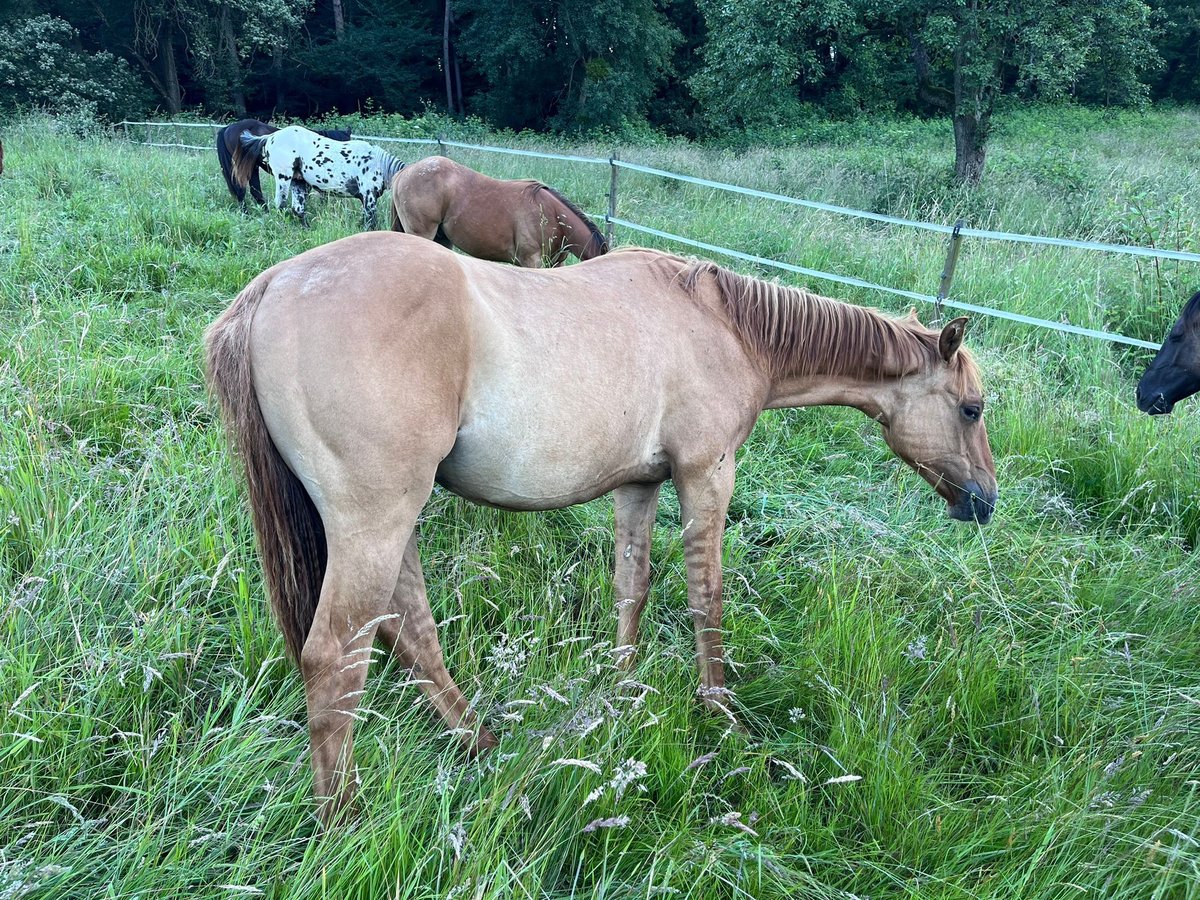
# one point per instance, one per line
(462, 110)
(166, 48)
(236, 94)
(446, 58)
(970, 148)
(972, 100)
(277, 75)
(339, 20)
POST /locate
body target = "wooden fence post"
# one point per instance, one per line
(441, 146)
(948, 271)
(612, 201)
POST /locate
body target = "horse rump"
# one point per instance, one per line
(291, 535)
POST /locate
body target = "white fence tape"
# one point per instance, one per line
(1179, 255)
(912, 295)
(1095, 246)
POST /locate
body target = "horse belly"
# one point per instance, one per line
(532, 463)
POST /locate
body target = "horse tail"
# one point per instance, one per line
(247, 157)
(336, 134)
(291, 536)
(226, 160)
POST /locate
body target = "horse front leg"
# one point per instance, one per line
(299, 199)
(283, 188)
(634, 506)
(704, 500)
(370, 202)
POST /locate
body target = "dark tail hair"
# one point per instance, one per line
(226, 160)
(247, 157)
(291, 536)
(336, 134)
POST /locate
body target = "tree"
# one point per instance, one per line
(573, 64)
(1179, 46)
(971, 51)
(935, 57)
(41, 66)
(764, 58)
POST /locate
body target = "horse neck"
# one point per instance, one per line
(574, 232)
(816, 351)
(388, 166)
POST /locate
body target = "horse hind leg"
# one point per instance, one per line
(411, 635)
(361, 571)
(255, 190)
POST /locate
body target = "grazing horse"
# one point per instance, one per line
(522, 222)
(1174, 373)
(356, 375)
(227, 144)
(300, 159)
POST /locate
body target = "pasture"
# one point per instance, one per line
(933, 709)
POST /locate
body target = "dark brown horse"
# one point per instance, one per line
(1174, 373)
(357, 374)
(227, 145)
(522, 222)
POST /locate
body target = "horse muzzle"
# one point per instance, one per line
(974, 504)
(1155, 404)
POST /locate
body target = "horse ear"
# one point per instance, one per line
(912, 316)
(952, 337)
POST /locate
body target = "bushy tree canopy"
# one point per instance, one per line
(41, 66)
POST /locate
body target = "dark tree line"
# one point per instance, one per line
(694, 67)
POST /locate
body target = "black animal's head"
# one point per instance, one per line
(1175, 372)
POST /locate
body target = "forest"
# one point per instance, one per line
(703, 69)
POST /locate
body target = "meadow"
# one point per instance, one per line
(933, 710)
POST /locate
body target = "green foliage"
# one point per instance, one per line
(577, 64)
(1178, 41)
(40, 66)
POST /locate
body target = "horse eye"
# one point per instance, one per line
(972, 412)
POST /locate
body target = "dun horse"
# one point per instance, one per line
(227, 144)
(357, 374)
(1174, 374)
(300, 159)
(522, 222)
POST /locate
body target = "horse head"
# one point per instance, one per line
(1174, 374)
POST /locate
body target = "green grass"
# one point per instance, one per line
(1021, 702)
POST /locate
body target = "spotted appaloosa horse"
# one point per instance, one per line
(301, 159)
(227, 144)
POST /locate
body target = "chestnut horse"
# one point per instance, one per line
(522, 222)
(227, 144)
(359, 373)
(1174, 374)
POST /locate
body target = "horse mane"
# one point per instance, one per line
(389, 166)
(596, 234)
(794, 332)
(1191, 313)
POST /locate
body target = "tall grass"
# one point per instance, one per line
(1019, 705)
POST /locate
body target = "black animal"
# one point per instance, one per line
(1175, 372)
(227, 144)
